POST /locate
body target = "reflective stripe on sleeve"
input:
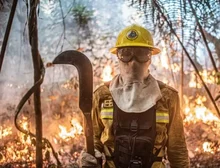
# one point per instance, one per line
(107, 113)
(162, 117)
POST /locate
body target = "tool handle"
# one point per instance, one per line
(84, 67)
(88, 127)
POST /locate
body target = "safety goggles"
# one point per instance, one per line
(140, 54)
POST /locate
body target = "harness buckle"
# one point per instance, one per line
(134, 126)
(135, 164)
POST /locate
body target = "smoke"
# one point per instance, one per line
(57, 31)
(17, 70)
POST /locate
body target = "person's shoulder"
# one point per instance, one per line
(102, 89)
(166, 88)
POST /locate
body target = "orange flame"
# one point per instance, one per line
(107, 74)
(5, 132)
(208, 77)
(164, 58)
(198, 111)
(207, 147)
(76, 129)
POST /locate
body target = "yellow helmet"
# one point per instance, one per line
(136, 36)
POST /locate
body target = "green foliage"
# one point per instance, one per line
(183, 21)
(82, 15)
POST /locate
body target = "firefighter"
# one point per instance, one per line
(136, 118)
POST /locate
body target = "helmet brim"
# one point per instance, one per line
(155, 50)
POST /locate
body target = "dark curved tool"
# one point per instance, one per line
(84, 67)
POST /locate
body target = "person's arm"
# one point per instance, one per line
(176, 146)
(97, 123)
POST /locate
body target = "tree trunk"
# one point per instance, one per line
(33, 34)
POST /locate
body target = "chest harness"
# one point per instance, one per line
(135, 135)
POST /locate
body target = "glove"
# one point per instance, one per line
(87, 160)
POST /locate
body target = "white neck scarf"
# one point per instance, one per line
(136, 97)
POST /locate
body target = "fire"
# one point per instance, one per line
(20, 148)
(202, 127)
(207, 147)
(209, 77)
(76, 129)
(107, 74)
(75, 124)
(5, 132)
(25, 124)
(192, 82)
(198, 111)
(55, 140)
(175, 67)
(164, 58)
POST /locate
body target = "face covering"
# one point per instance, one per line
(134, 71)
(134, 90)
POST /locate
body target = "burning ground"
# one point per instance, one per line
(202, 134)
(62, 126)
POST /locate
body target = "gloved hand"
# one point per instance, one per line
(87, 160)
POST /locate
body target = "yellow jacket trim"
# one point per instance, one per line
(107, 113)
(162, 117)
(103, 110)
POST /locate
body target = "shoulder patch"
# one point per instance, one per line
(107, 109)
(107, 103)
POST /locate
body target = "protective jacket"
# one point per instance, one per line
(169, 127)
